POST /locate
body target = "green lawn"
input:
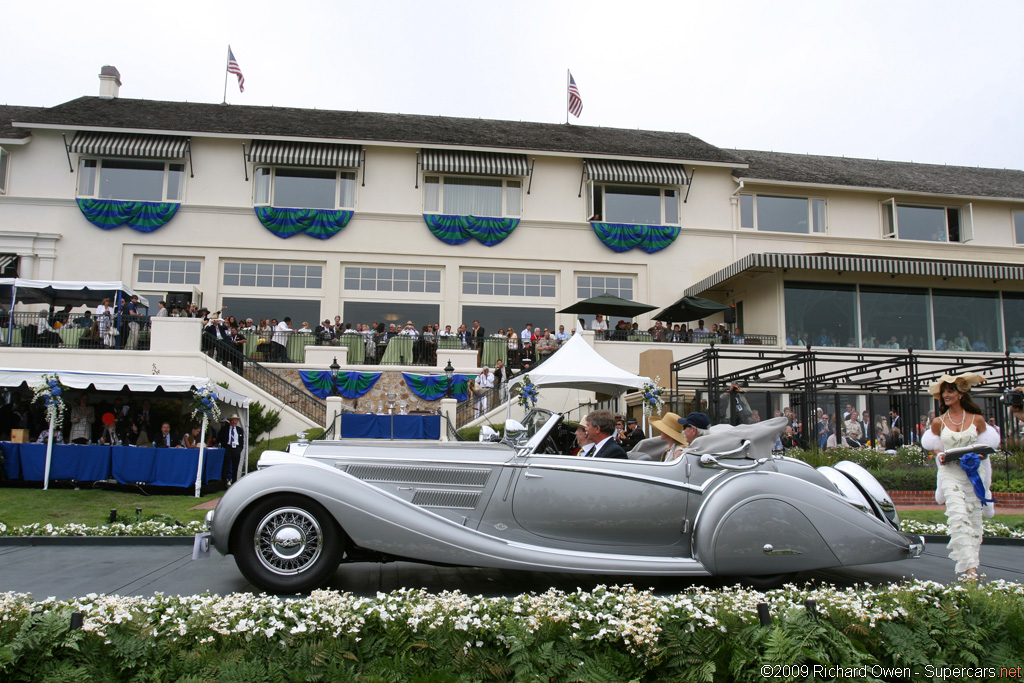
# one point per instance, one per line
(90, 506)
(939, 517)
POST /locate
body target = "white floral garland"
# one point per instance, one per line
(204, 402)
(652, 400)
(51, 392)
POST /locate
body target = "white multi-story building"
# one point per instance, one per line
(383, 217)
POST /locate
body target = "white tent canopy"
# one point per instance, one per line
(577, 365)
(62, 292)
(109, 381)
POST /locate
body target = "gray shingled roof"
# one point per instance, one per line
(885, 175)
(10, 113)
(191, 117)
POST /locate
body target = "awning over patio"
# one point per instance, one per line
(860, 264)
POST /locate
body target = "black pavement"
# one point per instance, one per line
(136, 568)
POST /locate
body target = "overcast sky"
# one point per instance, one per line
(910, 80)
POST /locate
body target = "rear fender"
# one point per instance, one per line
(771, 523)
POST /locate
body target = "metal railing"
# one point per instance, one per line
(300, 401)
(74, 331)
(667, 336)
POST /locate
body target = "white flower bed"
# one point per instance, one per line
(619, 612)
(989, 528)
(145, 528)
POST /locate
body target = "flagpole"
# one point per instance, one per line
(227, 59)
(567, 77)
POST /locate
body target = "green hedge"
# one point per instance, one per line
(914, 631)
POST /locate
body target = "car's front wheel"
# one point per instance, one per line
(287, 544)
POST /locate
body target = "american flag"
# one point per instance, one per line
(575, 101)
(233, 68)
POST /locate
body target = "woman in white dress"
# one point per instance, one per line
(960, 423)
(82, 417)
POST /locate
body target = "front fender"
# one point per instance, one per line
(772, 523)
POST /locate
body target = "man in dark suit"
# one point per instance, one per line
(232, 439)
(165, 439)
(600, 427)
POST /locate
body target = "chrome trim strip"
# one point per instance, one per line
(618, 474)
(603, 556)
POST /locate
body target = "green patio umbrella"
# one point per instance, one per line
(689, 308)
(609, 304)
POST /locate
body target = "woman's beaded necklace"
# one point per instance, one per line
(959, 427)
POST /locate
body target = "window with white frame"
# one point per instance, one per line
(5, 162)
(771, 213)
(392, 279)
(635, 204)
(273, 275)
(469, 196)
(927, 223)
(1018, 227)
(131, 179)
(588, 286)
(304, 188)
(508, 283)
(168, 271)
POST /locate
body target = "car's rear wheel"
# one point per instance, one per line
(287, 544)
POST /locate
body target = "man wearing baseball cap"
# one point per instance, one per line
(695, 425)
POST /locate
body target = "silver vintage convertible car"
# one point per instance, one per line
(727, 507)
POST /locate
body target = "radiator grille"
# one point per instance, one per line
(445, 476)
(446, 499)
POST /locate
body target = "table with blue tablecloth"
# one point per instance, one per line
(358, 426)
(126, 464)
(82, 463)
(164, 466)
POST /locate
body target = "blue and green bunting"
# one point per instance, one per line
(620, 237)
(140, 216)
(459, 229)
(432, 387)
(319, 223)
(350, 384)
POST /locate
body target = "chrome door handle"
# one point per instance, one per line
(528, 475)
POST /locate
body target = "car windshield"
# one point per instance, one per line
(536, 422)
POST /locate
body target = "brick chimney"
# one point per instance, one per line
(110, 82)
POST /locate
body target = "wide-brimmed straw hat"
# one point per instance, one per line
(962, 382)
(669, 425)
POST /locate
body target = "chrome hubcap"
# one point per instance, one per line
(288, 541)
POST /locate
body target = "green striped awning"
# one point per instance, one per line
(129, 145)
(477, 163)
(860, 264)
(636, 172)
(324, 154)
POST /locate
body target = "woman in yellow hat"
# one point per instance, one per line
(960, 423)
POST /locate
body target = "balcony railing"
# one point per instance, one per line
(665, 336)
(75, 331)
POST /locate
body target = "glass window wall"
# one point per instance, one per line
(966, 321)
(894, 318)
(820, 315)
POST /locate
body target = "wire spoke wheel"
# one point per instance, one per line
(288, 541)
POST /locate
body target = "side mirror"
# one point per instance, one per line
(512, 426)
(487, 433)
